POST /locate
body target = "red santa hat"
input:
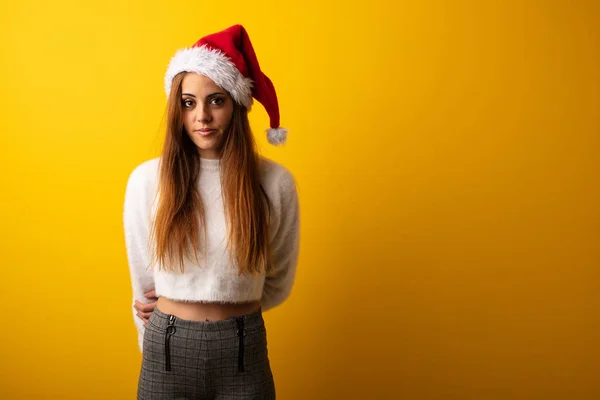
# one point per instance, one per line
(228, 58)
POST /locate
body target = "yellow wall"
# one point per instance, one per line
(447, 155)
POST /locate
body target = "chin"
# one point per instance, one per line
(207, 148)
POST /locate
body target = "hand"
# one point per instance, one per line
(144, 310)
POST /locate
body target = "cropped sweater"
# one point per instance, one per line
(215, 280)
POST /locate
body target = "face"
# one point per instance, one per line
(207, 111)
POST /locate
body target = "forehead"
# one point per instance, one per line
(199, 85)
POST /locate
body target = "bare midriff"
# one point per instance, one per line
(196, 311)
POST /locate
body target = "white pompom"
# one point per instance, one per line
(277, 136)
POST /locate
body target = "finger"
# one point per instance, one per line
(144, 315)
(145, 307)
(150, 294)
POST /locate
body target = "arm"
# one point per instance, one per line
(285, 246)
(136, 219)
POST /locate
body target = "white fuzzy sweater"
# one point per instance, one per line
(216, 280)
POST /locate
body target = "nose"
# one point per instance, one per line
(202, 113)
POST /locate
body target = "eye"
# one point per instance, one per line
(217, 101)
(187, 103)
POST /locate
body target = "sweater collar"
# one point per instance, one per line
(210, 164)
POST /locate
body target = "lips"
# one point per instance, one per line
(205, 132)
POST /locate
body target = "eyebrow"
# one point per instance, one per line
(210, 95)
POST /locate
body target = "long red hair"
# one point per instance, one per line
(179, 225)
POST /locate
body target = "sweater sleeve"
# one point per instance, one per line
(136, 220)
(285, 245)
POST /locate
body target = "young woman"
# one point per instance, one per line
(212, 230)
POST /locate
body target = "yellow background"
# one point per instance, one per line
(447, 158)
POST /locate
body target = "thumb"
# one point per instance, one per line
(150, 294)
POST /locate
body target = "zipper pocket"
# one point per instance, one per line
(168, 333)
(241, 332)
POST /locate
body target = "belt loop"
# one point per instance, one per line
(241, 332)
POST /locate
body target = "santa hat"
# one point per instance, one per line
(227, 57)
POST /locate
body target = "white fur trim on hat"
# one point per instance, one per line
(277, 136)
(215, 65)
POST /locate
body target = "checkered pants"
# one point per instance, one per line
(217, 360)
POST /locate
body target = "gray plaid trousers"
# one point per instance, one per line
(216, 360)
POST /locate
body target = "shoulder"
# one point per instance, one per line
(146, 171)
(277, 179)
(143, 177)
